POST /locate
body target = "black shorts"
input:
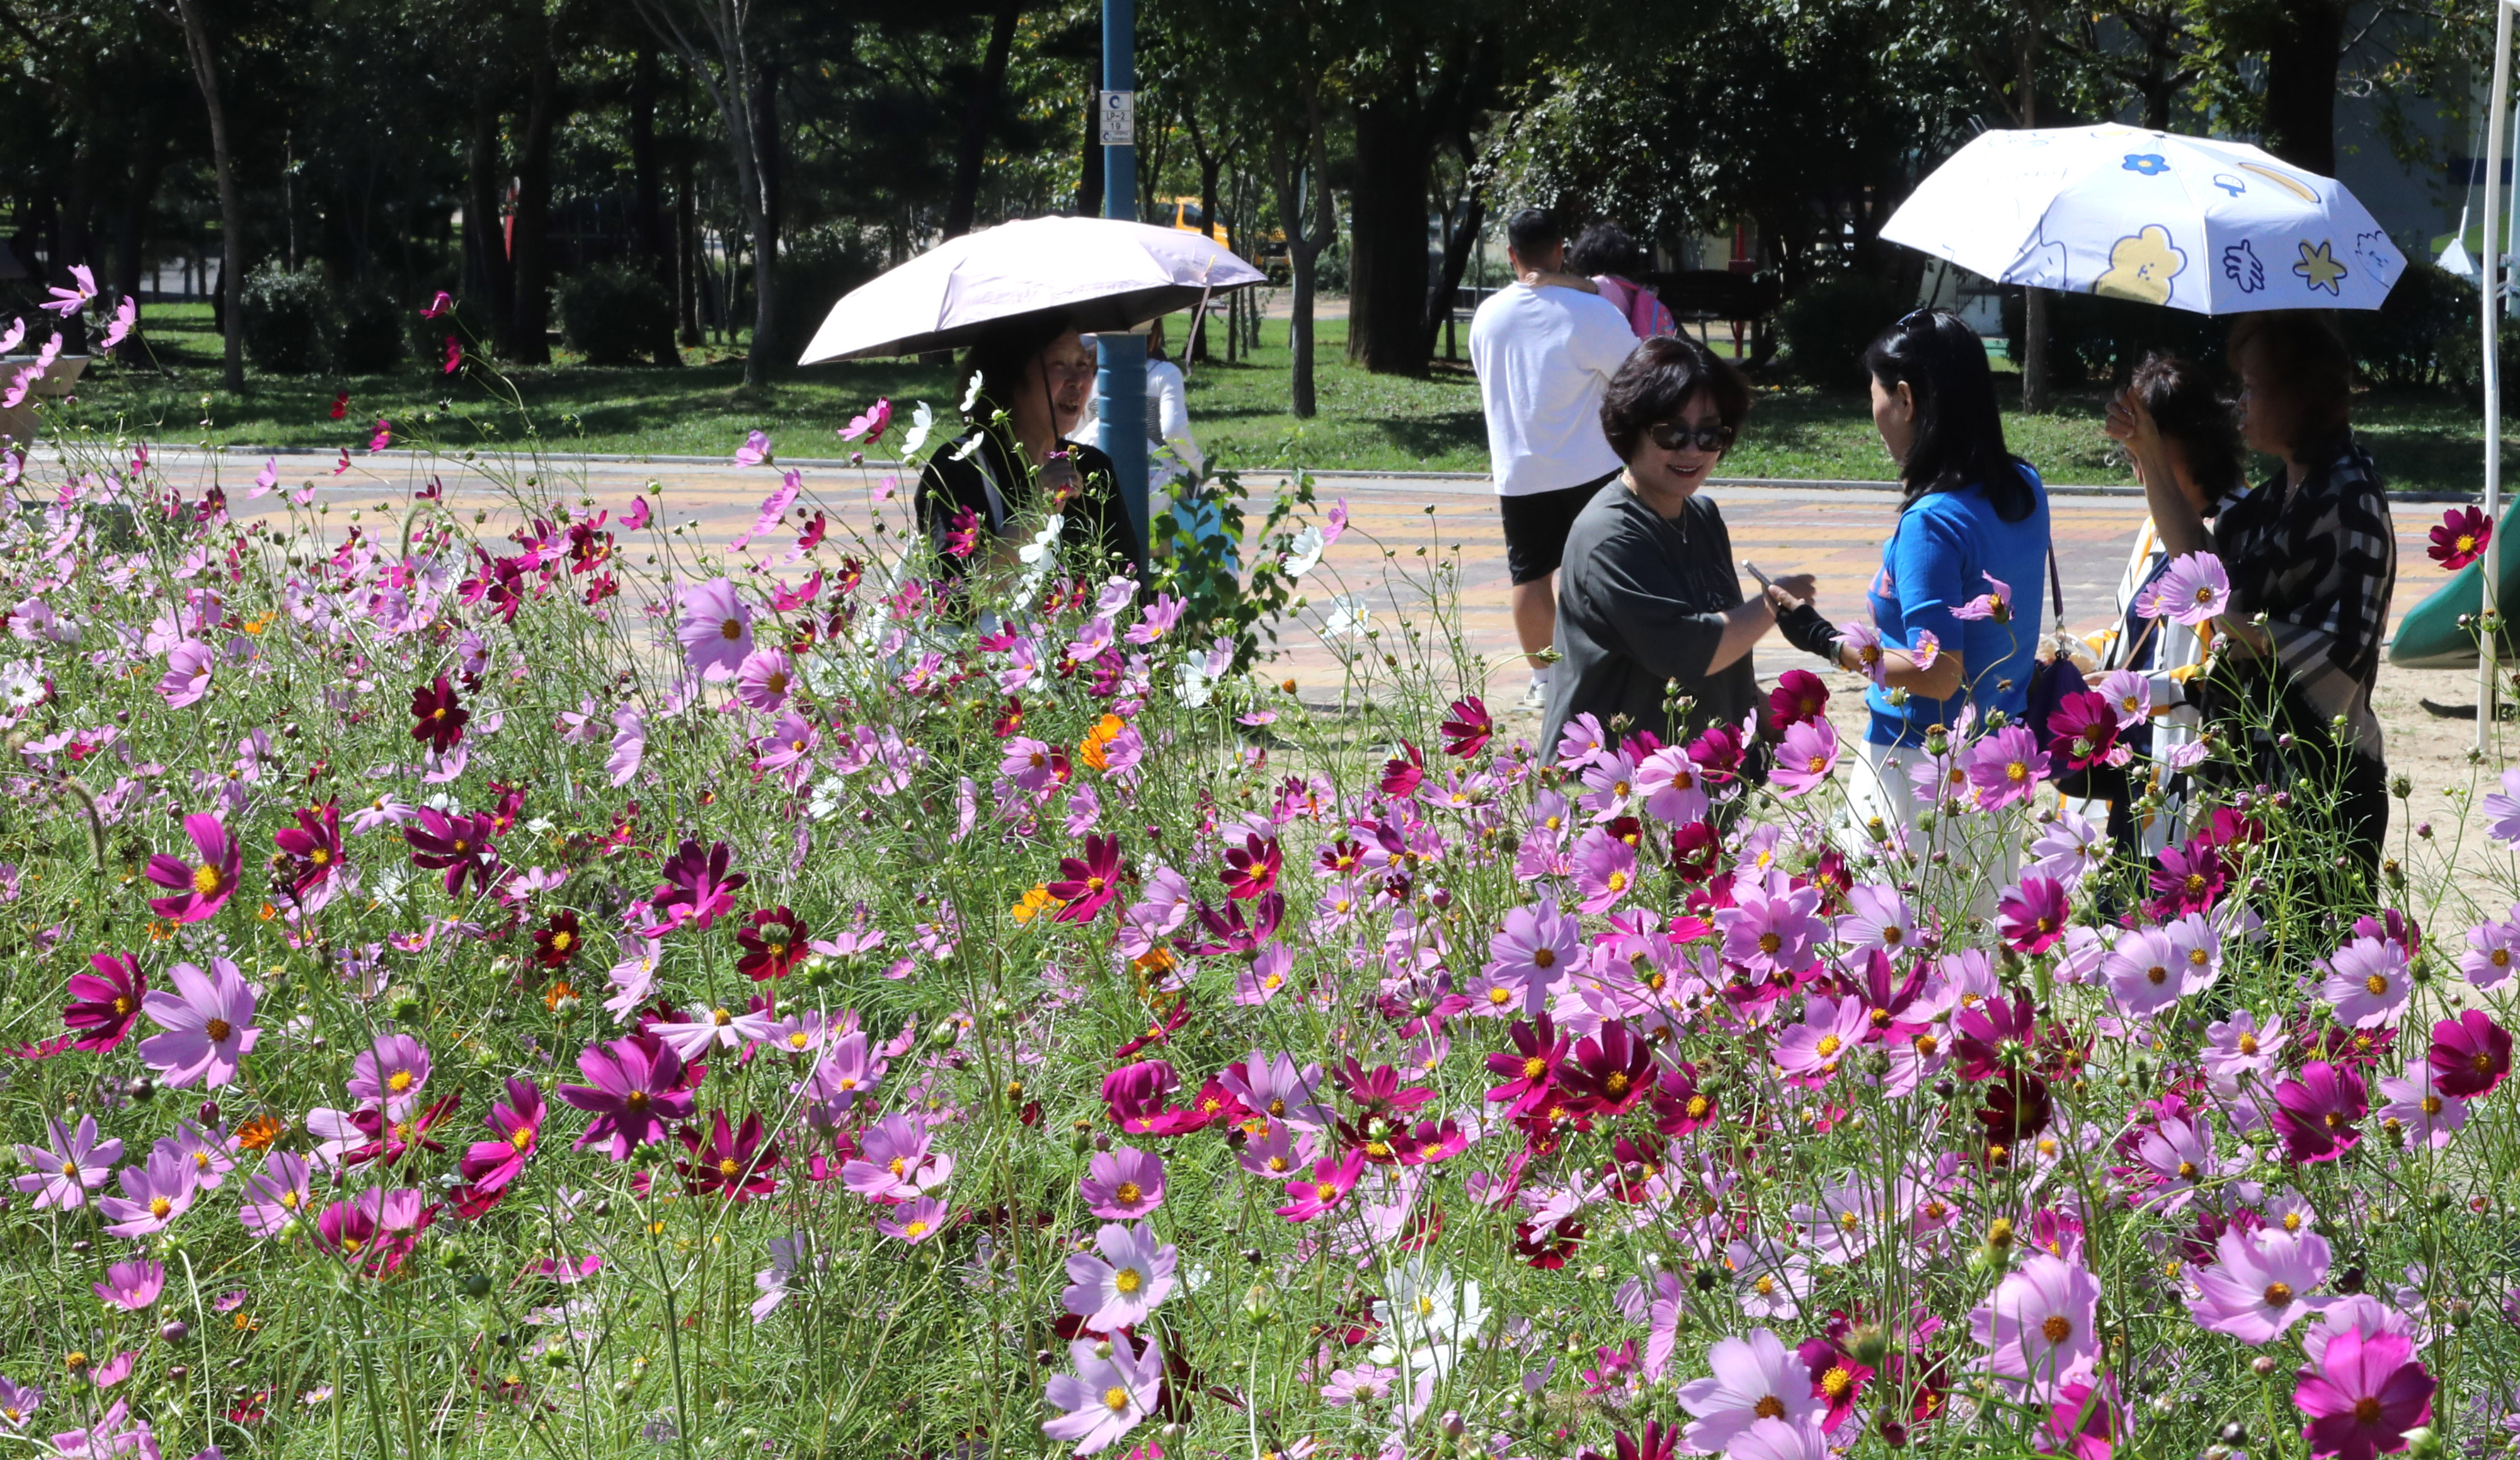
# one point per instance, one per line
(1536, 527)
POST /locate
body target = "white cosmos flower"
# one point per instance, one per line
(1304, 552)
(921, 422)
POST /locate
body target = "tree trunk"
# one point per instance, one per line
(1456, 260)
(205, 73)
(757, 364)
(687, 244)
(1386, 296)
(1208, 169)
(648, 206)
(2302, 57)
(131, 231)
(486, 241)
(1293, 179)
(979, 114)
(531, 243)
(1089, 190)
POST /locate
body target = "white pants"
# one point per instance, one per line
(1983, 850)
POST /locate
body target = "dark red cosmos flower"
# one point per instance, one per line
(2190, 878)
(2083, 731)
(1799, 696)
(555, 942)
(2015, 1110)
(1994, 1037)
(1468, 732)
(1089, 883)
(734, 1162)
(1134, 1094)
(1696, 851)
(438, 715)
(1887, 996)
(773, 940)
(1717, 753)
(1529, 1066)
(812, 537)
(1403, 773)
(460, 844)
(1229, 934)
(2461, 538)
(104, 1005)
(1609, 1073)
(1378, 1092)
(1344, 857)
(2320, 1114)
(1680, 1104)
(1549, 1248)
(1251, 869)
(1158, 1030)
(2470, 1055)
(341, 405)
(313, 847)
(1659, 1442)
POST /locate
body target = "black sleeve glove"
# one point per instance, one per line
(1805, 629)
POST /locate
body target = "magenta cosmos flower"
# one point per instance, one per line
(203, 884)
(1605, 869)
(106, 1004)
(2317, 1115)
(133, 1285)
(391, 1074)
(276, 1195)
(697, 888)
(2470, 1055)
(1804, 758)
(209, 1020)
(1124, 1184)
(1105, 1398)
(2032, 917)
(74, 1164)
(634, 1092)
(716, 629)
(2461, 538)
(2363, 1395)
(188, 674)
(1088, 884)
(1769, 933)
(490, 1166)
(898, 1163)
(2260, 1285)
(153, 1194)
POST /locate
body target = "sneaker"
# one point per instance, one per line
(1535, 696)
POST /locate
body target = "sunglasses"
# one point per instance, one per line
(1671, 435)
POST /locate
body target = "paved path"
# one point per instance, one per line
(1400, 531)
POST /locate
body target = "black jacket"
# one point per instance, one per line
(1096, 520)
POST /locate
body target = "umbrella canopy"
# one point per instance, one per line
(2213, 227)
(1096, 273)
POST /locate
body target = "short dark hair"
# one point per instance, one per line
(1660, 377)
(2182, 398)
(1959, 432)
(1003, 354)
(1606, 249)
(2308, 356)
(1531, 233)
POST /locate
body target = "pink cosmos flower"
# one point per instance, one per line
(2038, 1327)
(277, 1195)
(209, 1020)
(896, 1163)
(76, 1164)
(441, 306)
(1605, 869)
(391, 1073)
(2005, 767)
(762, 680)
(1088, 884)
(106, 1004)
(375, 1230)
(1996, 605)
(1123, 1184)
(1755, 1378)
(1771, 933)
(1273, 1085)
(1536, 949)
(2130, 696)
(1105, 1398)
(1878, 917)
(1673, 791)
(633, 1090)
(1865, 641)
(489, 1166)
(1125, 1278)
(2363, 1394)
(2417, 1107)
(2191, 591)
(205, 884)
(2032, 916)
(1332, 1178)
(913, 1221)
(2319, 1114)
(637, 517)
(1804, 758)
(715, 629)
(133, 1285)
(2494, 952)
(629, 745)
(153, 1194)
(2368, 982)
(68, 301)
(755, 450)
(1159, 620)
(1830, 1031)
(2260, 1285)
(869, 425)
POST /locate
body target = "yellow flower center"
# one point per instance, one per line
(1128, 1280)
(2248, 1044)
(160, 1206)
(398, 1081)
(2376, 985)
(1770, 942)
(1127, 1193)
(206, 879)
(1116, 1399)
(1829, 1045)
(1836, 1382)
(1769, 1407)
(727, 1167)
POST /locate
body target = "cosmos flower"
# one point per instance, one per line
(208, 1024)
(203, 884)
(633, 1090)
(1123, 1184)
(1125, 1278)
(2362, 1396)
(1107, 1397)
(105, 1004)
(2461, 538)
(1755, 1378)
(715, 629)
(2260, 1286)
(2038, 1327)
(76, 1164)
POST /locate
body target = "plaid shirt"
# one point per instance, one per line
(2319, 563)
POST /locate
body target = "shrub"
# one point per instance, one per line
(815, 269)
(1828, 325)
(367, 336)
(2423, 334)
(615, 313)
(288, 318)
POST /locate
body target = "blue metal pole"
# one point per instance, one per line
(1120, 379)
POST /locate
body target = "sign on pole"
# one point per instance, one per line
(1119, 119)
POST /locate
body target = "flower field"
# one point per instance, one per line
(573, 993)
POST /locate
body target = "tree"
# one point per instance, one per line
(718, 40)
(206, 73)
(979, 117)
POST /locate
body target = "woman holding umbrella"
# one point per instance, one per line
(2311, 560)
(1037, 374)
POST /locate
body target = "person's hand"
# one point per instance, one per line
(1059, 481)
(1799, 587)
(2128, 422)
(1548, 278)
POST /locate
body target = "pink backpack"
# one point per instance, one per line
(1646, 314)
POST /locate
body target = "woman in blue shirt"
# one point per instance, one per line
(1970, 515)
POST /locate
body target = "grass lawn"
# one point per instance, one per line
(2423, 441)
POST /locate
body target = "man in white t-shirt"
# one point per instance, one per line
(1544, 347)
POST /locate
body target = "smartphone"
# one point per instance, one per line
(1764, 584)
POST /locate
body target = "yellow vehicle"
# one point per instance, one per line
(1185, 214)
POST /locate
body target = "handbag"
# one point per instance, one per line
(2055, 677)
